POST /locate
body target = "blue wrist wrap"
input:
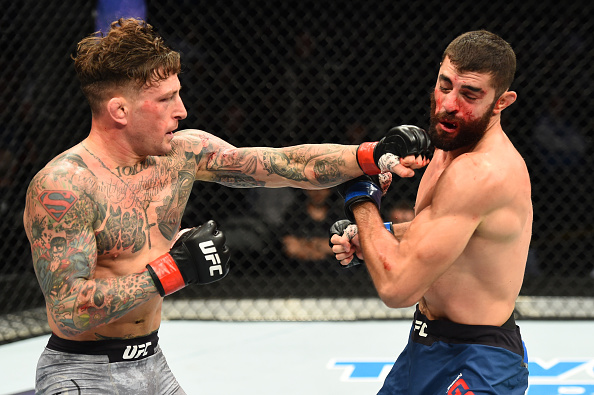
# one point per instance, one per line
(359, 192)
(364, 188)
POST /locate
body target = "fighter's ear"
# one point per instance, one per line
(118, 109)
(504, 101)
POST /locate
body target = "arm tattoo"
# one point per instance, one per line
(102, 301)
(169, 214)
(284, 166)
(59, 216)
(238, 180)
(64, 267)
(317, 165)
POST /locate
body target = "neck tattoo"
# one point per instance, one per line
(136, 199)
(103, 164)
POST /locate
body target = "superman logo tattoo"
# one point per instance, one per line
(57, 203)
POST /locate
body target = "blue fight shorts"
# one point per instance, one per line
(445, 358)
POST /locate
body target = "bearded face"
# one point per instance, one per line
(468, 131)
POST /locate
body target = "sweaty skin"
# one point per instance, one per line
(462, 257)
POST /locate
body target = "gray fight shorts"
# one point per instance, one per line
(105, 367)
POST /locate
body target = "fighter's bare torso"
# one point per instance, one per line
(481, 286)
(133, 213)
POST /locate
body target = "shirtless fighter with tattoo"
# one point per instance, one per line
(112, 207)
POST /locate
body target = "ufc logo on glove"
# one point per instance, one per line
(198, 256)
(210, 254)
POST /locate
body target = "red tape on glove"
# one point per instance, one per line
(168, 273)
(365, 158)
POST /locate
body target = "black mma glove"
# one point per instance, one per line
(400, 141)
(339, 227)
(198, 256)
(360, 189)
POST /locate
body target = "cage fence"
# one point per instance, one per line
(272, 73)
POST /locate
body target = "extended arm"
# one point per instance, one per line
(307, 166)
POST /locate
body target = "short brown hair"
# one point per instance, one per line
(130, 56)
(484, 52)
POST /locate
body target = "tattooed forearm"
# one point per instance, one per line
(101, 301)
(321, 165)
(279, 163)
(328, 172)
(238, 180)
(243, 161)
(77, 303)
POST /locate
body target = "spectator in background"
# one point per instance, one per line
(306, 223)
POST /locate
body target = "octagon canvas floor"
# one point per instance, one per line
(325, 358)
